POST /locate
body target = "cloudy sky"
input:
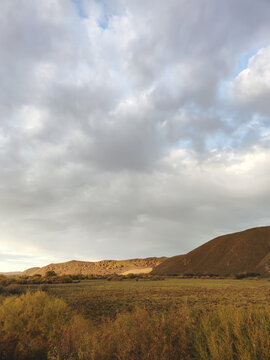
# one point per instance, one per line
(131, 128)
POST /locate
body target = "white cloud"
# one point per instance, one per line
(252, 86)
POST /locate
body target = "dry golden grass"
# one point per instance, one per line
(165, 320)
(233, 333)
(29, 323)
(97, 299)
(136, 335)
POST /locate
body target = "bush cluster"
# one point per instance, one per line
(14, 284)
(6, 281)
(39, 326)
(29, 325)
(117, 277)
(12, 289)
(199, 275)
(247, 275)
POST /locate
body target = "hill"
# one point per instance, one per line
(241, 252)
(30, 271)
(100, 267)
(10, 273)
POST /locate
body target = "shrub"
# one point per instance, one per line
(188, 275)
(233, 333)
(63, 279)
(14, 289)
(247, 275)
(5, 281)
(50, 273)
(141, 335)
(43, 287)
(38, 326)
(138, 335)
(72, 340)
(29, 324)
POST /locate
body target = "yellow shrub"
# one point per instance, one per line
(72, 341)
(233, 333)
(29, 324)
(39, 326)
(139, 336)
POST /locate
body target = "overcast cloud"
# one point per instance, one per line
(131, 128)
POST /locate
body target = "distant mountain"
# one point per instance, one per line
(241, 252)
(100, 267)
(10, 273)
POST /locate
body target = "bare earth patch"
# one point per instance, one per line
(138, 271)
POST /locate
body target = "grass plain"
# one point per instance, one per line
(171, 319)
(96, 299)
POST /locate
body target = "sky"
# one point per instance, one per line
(131, 128)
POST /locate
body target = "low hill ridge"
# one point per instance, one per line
(99, 267)
(231, 254)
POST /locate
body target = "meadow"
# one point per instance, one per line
(215, 319)
(96, 299)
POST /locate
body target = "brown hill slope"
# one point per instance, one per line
(98, 268)
(31, 271)
(241, 252)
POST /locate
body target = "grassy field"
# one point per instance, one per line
(101, 298)
(171, 319)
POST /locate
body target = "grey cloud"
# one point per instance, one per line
(115, 138)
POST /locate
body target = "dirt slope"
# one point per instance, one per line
(245, 251)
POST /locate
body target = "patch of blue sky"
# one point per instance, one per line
(242, 63)
(217, 141)
(104, 21)
(182, 144)
(248, 133)
(214, 142)
(222, 91)
(79, 7)
(105, 17)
